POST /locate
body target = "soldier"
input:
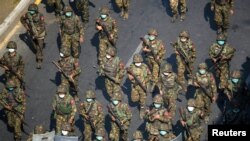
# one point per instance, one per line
(221, 54)
(34, 23)
(70, 71)
(92, 112)
(39, 133)
(13, 100)
(154, 52)
(58, 5)
(83, 7)
(100, 134)
(139, 84)
(206, 90)
(165, 132)
(123, 7)
(113, 71)
(107, 29)
(222, 9)
(64, 108)
(13, 64)
(156, 116)
(185, 55)
(71, 31)
(120, 115)
(137, 136)
(191, 119)
(169, 87)
(174, 8)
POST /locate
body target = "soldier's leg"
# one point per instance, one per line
(142, 102)
(58, 7)
(108, 86)
(224, 75)
(174, 8)
(125, 6)
(183, 6)
(155, 74)
(207, 106)
(85, 11)
(66, 42)
(102, 51)
(180, 73)
(17, 127)
(134, 94)
(76, 47)
(218, 18)
(172, 106)
(75, 88)
(124, 135)
(119, 5)
(226, 14)
(114, 133)
(59, 121)
(10, 118)
(87, 132)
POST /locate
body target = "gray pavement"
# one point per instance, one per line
(143, 15)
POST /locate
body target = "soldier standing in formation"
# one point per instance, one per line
(120, 118)
(64, 108)
(83, 7)
(174, 7)
(221, 54)
(34, 23)
(222, 9)
(113, 71)
(92, 112)
(107, 29)
(154, 51)
(71, 31)
(13, 100)
(123, 7)
(139, 75)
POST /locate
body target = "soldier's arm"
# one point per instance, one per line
(128, 113)
(121, 71)
(114, 28)
(193, 52)
(77, 69)
(23, 21)
(229, 53)
(80, 27)
(42, 24)
(22, 101)
(74, 110)
(100, 116)
(211, 52)
(20, 70)
(162, 50)
(165, 117)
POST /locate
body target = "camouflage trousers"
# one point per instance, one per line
(14, 122)
(58, 7)
(66, 82)
(38, 45)
(169, 99)
(204, 103)
(122, 4)
(138, 95)
(222, 71)
(196, 134)
(111, 87)
(88, 131)
(174, 6)
(116, 134)
(83, 6)
(60, 120)
(221, 16)
(72, 43)
(103, 46)
(154, 68)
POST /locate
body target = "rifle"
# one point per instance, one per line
(107, 33)
(88, 119)
(205, 91)
(189, 134)
(117, 121)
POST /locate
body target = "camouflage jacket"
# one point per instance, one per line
(142, 73)
(64, 106)
(169, 82)
(227, 53)
(187, 48)
(111, 26)
(70, 66)
(157, 49)
(71, 26)
(230, 3)
(193, 119)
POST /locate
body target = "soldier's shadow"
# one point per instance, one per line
(49, 9)
(27, 40)
(95, 42)
(166, 4)
(79, 124)
(57, 80)
(59, 41)
(3, 79)
(209, 16)
(172, 60)
(100, 84)
(107, 122)
(3, 117)
(127, 91)
(52, 125)
(142, 128)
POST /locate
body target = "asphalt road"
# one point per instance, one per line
(144, 14)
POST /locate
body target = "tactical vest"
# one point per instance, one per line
(155, 48)
(12, 62)
(204, 80)
(185, 47)
(140, 72)
(93, 111)
(168, 81)
(193, 117)
(69, 25)
(63, 106)
(111, 66)
(109, 25)
(152, 126)
(67, 65)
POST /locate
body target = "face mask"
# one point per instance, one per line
(138, 64)
(115, 102)
(183, 39)
(89, 99)
(236, 110)
(11, 50)
(163, 133)
(103, 16)
(190, 109)
(108, 56)
(221, 42)
(151, 37)
(157, 105)
(166, 73)
(61, 95)
(68, 14)
(10, 88)
(61, 54)
(99, 138)
(32, 12)
(235, 80)
(202, 71)
(65, 133)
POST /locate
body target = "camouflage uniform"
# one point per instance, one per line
(93, 115)
(83, 6)
(137, 136)
(123, 6)
(112, 29)
(174, 7)
(191, 119)
(141, 72)
(154, 54)
(113, 68)
(39, 129)
(67, 129)
(186, 46)
(221, 54)
(72, 32)
(12, 62)
(205, 80)
(13, 100)
(34, 22)
(222, 9)
(71, 68)
(169, 88)
(166, 132)
(156, 116)
(123, 114)
(100, 135)
(64, 108)
(58, 4)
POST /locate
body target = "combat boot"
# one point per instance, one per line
(39, 64)
(142, 112)
(183, 16)
(125, 15)
(122, 12)
(175, 16)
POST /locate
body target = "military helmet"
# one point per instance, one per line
(137, 135)
(137, 58)
(158, 99)
(67, 9)
(11, 83)
(90, 94)
(203, 66)
(39, 129)
(191, 102)
(33, 7)
(111, 51)
(167, 68)
(11, 45)
(62, 89)
(221, 37)
(184, 33)
(66, 126)
(236, 74)
(117, 96)
(100, 132)
(65, 51)
(104, 10)
(152, 31)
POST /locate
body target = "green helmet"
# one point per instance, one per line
(90, 94)
(191, 102)
(64, 52)
(152, 31)
(11, 45)
(167, 68)
(104, 10)
(67, 9)
(221, 37)
(39, 129)
(137, 58)
(100, 132)
(236, 74)
(158, 99)
(137, 135)
(33, 7)
(203, 66)
(184, 34)
(66, 126)
(62, 89)
(111, 51)
(117, 96)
